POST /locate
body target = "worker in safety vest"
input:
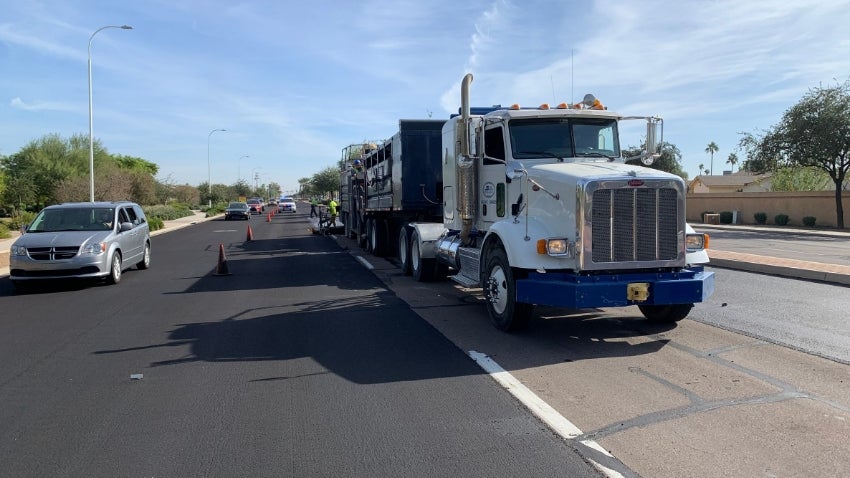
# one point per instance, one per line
(313, 203)
(332, 205)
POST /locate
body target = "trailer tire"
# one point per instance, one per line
(421, 269)
(378, 237)
(505, 312)
(370, 223)
(404, 250)
(346, 222)
(665, 314)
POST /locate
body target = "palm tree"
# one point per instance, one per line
(701, 167)
(711, 149)
(733, 160)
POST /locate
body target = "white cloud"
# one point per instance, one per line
(41, 105)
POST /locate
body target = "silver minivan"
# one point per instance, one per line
(81, 240)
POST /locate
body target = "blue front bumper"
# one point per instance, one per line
(573, 291)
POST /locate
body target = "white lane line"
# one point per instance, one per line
(365, 263)
(557, 422)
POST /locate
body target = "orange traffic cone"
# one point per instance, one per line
(250, 234)
(221, 268)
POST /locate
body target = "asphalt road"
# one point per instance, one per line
(300, 362)
(827, 247)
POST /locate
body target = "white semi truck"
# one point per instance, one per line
(536, 206)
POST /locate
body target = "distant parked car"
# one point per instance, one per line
(286, 204)
(81, 240)
(237, 210)
(255, 206)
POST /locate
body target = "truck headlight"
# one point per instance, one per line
(553, 247)
(695, 242)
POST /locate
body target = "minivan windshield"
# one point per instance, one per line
(73, 219)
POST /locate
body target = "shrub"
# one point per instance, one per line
(4, 232)
(760, 217)
(809, 221)
(781, 219)
(167, 213)
(215, 210)
(725, 217)
(155, 223)
(24, 218)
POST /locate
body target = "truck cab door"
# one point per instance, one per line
(492, 180)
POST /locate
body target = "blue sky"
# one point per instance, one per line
(295, 82)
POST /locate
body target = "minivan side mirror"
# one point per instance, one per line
(125, 226)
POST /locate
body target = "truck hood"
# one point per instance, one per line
(594, 170)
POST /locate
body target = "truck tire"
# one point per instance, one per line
(505, 312)
(378, 237)
(421, 269)
(664, 314)
(404, 250)
(346, 221)
(370, 224)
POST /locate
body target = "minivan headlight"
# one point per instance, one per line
(94, 248)
(18, 250)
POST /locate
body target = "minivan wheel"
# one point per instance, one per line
(115, 269)
(146, 259)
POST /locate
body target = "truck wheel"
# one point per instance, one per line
(421, 269)
(663, 314)
(370, 224)
(404, 250)
(378, 237)
(346, 221)
(506, 313)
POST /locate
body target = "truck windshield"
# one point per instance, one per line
(563, 138)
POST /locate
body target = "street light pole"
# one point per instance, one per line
(91, 121)
(254, 176)
(239, 169)
(209, 169)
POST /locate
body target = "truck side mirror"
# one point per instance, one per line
(651, 142)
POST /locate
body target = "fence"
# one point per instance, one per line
(796, 205)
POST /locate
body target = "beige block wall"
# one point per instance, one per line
(796, 205)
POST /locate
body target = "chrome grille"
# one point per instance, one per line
(635, 225)
(52, 253)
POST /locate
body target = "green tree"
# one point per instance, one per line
(304, 187)
(670, 159)
(326, 181)
(711, 149)
(733, 160)
(807, 178)
(701, 167)
(815, 132)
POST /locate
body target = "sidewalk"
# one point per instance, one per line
(832, 273)
(173, 225)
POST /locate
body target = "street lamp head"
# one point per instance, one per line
(126, 27)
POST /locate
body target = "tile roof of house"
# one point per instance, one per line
(741, 178)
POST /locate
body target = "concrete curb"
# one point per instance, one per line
(816, 271)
